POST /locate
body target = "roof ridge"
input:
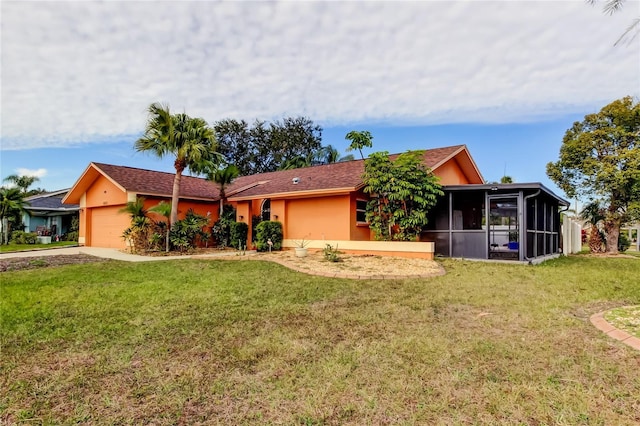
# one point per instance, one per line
(145, 170)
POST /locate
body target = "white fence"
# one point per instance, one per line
(571, 235)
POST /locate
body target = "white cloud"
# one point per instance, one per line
(78, 72)
(39, 173)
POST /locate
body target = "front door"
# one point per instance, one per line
(504, 229)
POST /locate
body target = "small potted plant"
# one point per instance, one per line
(513, 241)
(301, 247)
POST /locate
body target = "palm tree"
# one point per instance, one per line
(223, 177)
(593, 214)
(327, 155)
(23, 183)
(190, 140)
(11, 203)
(164, 209)
(137, 232)
(612, 6)
(348, 157)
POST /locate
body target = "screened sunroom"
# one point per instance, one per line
(519, 222)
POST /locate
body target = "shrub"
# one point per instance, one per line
(21, 237)
(268, 230)
(71, 236)
(221, 231)
(238, 233)
(186, 233)
(331, 254)
(623, 242)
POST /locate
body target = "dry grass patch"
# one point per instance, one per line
(355, 265)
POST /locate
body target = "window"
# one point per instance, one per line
(361, 211)
(265, 209)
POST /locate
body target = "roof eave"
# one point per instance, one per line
(297, 194)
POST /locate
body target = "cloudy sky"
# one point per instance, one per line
(81, 74)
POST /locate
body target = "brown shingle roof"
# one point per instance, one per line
(149, 182)
(344, 175)
(317, 178)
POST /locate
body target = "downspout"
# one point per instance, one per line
(524, 251)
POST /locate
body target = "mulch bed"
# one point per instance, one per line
(24, 263)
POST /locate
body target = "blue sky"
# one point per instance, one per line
(505, 78)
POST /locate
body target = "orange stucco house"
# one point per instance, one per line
(320, 203)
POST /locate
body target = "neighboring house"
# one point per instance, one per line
(45, 214)
(323, 203)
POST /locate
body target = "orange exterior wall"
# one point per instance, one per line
(450, 173)
(200, 207)
(317, 218)
(104, 193)
(101, 193)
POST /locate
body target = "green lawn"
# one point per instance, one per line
(249, 342)
(11, 247)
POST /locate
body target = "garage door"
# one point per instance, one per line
(107, 226)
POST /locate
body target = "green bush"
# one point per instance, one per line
(221, 231)
(238, 234)
(71, 236)
(186, 233)
(268, 230)
(623, 241)
(21, 237)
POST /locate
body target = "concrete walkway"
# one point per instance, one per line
(106, 253)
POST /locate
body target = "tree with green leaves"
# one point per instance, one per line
(266, 147)
(235, 144)
(164, 209)
(359, 140)
(12, 204)
(190, 140)
(402, 194)
(223, 178)
(600, 160)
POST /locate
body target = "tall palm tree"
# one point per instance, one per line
(164, 209)
(11, 203)
(223, 177)
(593, 213)
(23, 183)
(190, 140)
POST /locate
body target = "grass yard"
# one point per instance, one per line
(237, 342)
(11, 247)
